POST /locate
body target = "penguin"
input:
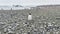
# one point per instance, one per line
(29, 16)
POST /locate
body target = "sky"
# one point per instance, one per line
(29, 2)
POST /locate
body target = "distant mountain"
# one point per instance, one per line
(47, 5)
(17, 6)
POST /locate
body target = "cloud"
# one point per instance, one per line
(28, 2)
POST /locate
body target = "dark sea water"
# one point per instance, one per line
(13, 8)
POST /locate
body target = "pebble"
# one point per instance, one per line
(42, 21)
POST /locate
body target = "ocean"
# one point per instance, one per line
(13, 8)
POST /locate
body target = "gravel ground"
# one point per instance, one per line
(45, 20)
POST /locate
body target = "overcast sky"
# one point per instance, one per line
(28, 2)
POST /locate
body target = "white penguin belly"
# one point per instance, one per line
(29, 17)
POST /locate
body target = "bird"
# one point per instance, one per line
(29, 16)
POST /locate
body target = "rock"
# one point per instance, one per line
(5, 29)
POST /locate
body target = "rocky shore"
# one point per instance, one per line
(45, 21)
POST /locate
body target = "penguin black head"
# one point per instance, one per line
(29, 13)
